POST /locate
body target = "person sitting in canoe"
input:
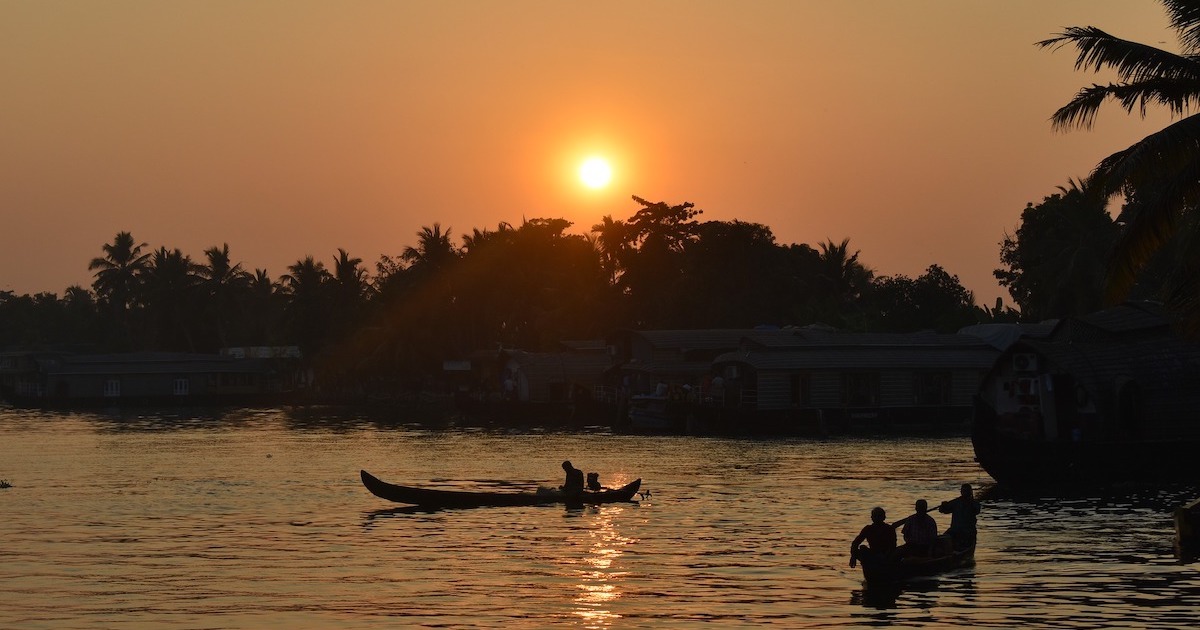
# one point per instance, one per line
(962, 511)
(593, 482)
(880, 538)
(574, 481)
(920, 530)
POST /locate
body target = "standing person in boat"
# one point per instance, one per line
(880, 538)
(920, 530)
(962, 511)
(574, 481)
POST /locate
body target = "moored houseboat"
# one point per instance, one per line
(827, 381)
(50, 379)
(1109, 397)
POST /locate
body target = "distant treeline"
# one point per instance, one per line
(528, 286)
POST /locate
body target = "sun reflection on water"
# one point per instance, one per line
(600, 573)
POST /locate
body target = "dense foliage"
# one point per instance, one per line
(1160, 171)
(528, 286)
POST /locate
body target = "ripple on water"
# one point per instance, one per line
(258, 520)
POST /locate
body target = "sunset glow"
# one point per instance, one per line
(322, 126)
(595, 173)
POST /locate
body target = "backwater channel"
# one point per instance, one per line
(257, 519)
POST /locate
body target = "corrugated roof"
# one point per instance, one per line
(1130, 317)
(866, 357)
(585, 345)
(713, 339)
(669, 368)
(151, 363)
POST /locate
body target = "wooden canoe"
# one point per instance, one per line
(898, 566)
(429, 497)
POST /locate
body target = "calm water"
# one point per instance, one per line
(258, 519)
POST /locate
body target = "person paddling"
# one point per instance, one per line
(962, 511)
(880, 538)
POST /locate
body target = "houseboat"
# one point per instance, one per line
(50, 379)
(823, 381)
(1109, 397)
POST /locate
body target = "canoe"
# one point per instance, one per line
(429, 497)
(898, 566)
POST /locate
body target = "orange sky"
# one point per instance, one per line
(918, 129)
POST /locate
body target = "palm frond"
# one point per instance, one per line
(1185, 18)
(1133, 62)
(1159, 157)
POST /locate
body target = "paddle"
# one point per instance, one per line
(945, 505)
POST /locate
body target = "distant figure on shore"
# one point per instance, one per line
(880, 538)
(962, 511)
(574, 480)
(593, 482)
(920, 530)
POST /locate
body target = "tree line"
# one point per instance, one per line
(527, 286)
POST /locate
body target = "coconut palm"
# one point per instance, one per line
(1161, 170)
(171, 299)
(307, 313)
(433, 251)
(118, 281)
(225, 286)
(118, 272)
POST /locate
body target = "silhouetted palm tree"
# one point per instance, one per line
(845, 277)
(1163, 169)
(226, 286)
(171, 299)
(118, 280)
(433, 251)
(614, 243)
(478, 239)
(307, 312)
(118, 272)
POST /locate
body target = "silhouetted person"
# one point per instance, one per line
(593, 482)
(574, 481)
(962, 511)
(880, 537)
(920, 530)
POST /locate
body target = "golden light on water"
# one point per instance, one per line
(600, 579)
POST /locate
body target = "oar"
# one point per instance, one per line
(902, 521)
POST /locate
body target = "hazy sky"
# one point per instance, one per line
(918, 129)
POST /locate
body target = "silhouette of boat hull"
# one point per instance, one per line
(429, 497)
(898, 567)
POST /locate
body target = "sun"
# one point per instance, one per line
(595, 172)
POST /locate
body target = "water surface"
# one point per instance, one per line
(253, 519)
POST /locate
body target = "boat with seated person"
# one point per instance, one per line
(903, 563)
(438, 498)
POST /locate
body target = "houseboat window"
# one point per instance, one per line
(801, 391)
(182, 386)
(112, 387)
(932, 388)
(860, 389)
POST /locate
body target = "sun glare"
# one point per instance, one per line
(595, 173)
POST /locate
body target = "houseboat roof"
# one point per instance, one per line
(148, 363)
(702, 339)
(865, 357)
(1130, 318)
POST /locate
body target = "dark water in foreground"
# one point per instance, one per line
(257, 519)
